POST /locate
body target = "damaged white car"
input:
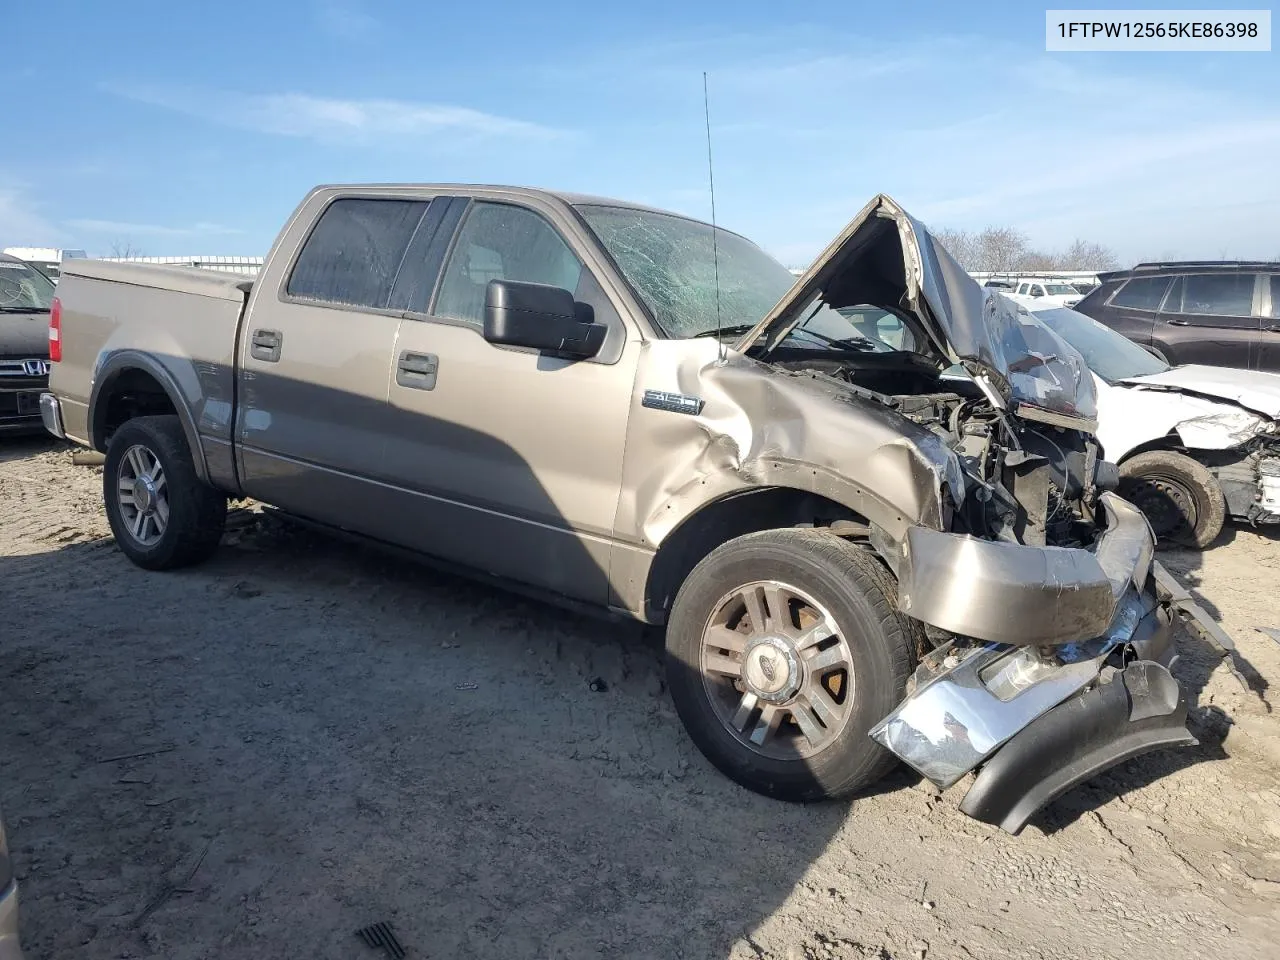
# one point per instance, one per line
(1195, 444)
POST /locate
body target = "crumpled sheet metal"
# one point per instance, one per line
(1221, 430)
(762, 426)
(1016, 594)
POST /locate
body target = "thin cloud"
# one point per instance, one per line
(336, 120)
(346, 21)
(121, 228)
(21, 222)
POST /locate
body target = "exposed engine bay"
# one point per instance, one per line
(1028, 482)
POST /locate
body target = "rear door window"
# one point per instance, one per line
(1216, 295)
(353, 254)
(500, 241)
(1143, 293)
(1275, 296)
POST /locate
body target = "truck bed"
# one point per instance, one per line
(179, 325)
(158, 276)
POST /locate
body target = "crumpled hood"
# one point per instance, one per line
(1251, 389)
(24, 335)
(884, 250)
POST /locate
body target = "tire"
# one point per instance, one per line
(194, 513)
(1180, 497)
(850, 589)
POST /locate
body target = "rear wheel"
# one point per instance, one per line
(784, 649)
(162, 515)
(1180, 497)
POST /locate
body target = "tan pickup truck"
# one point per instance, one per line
(854, 556)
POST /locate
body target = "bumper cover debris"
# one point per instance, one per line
(1141, 709)
(1038, 711)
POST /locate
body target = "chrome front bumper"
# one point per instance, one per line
(1015, 594)
(10, 949)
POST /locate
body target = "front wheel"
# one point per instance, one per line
(1180, 497)
(784, 649)
(162, 515)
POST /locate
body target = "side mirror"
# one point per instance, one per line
(540, 316)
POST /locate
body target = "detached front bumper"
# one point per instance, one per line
(10, 949)
(1061, 667)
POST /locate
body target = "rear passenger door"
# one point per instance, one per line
(1211, 318)
(508, 461)
(1131, 311)
(316, 358)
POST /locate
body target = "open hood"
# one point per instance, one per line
(1252, 389)
(887, 258)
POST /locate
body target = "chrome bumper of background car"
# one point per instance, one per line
(1025, 595)
(51, 414)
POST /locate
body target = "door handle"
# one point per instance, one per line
(1177, 323)
(265, 345)
(417, 371)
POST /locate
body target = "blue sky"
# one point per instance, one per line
(190, 128)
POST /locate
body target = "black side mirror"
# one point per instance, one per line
(540, 316)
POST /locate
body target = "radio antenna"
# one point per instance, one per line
(715, 245)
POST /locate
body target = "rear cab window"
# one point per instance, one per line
(353, 255)
(1141, 293)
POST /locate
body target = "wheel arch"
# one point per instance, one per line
(728, 517)
(1170, 442)
(131, 384)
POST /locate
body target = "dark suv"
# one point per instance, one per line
(1224, 314)
(25, 298)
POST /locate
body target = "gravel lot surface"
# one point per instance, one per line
(313, 737)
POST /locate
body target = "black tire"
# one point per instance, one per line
(857, 592)
(1180, 497)
(197, 512)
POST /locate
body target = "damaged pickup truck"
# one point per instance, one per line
(854, 556)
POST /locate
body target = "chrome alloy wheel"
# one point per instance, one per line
(776, 670)
(142, 494)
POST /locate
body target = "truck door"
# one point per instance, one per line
(316, 358)
(512, 461)
(1210, 318)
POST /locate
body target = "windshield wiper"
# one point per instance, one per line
(24, 309)
(737, 328)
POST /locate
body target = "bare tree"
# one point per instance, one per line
(125, 249)
(1036, 260)
(961, 244)
(1086, 255)
(1000, 248)
(1006, 249)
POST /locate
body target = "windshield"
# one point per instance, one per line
(1060, 289)
(23, 288)
(671, 264)
(1109, 355)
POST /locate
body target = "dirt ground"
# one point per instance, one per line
(326, 738)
